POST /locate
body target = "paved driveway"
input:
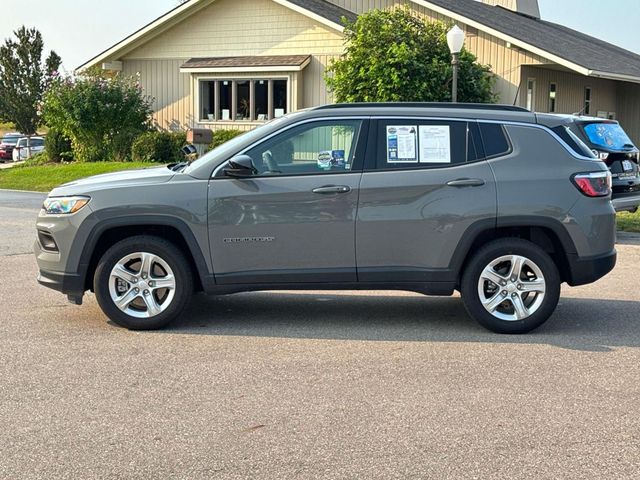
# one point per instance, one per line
(314, 384)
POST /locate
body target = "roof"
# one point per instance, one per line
(575, 50)
(249, 63)
(325, 9)
(320, 10)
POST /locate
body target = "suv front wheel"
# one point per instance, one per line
(143, 282)
(510, 286)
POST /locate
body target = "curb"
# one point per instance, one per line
(21, 191)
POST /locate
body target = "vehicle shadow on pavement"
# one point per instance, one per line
(596, 325)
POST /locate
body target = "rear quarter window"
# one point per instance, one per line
(495, 140)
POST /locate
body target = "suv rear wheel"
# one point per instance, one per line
(143, 282)
(511, 286)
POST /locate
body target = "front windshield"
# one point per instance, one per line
(228, 148)
(609, 136)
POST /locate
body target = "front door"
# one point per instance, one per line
(294, 220)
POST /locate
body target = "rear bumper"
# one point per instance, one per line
(626, 203)
(584, 270)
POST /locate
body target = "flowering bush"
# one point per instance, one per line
(101, 115)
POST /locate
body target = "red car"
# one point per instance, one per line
(7, 145)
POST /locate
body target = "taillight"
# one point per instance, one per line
(593, 184)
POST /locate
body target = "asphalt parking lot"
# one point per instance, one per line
(314, 384)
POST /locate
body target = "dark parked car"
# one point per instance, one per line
(7, 145)
(611, 144)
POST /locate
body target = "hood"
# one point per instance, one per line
(141, 176)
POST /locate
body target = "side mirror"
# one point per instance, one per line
(240, 166)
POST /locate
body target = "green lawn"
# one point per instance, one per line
(43, 178)
(629, 222)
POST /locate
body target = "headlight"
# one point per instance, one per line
(64, 205)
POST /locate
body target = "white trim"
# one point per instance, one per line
(614, 76)
(310, 14)
(280, 68)
(116, 49)
(505, 37)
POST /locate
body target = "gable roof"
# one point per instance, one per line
(320, 10)
(570, 48)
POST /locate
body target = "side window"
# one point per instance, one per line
(408, 144)
(494, 139)
(313, 148)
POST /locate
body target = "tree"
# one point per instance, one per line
(395, 56)
(24, 78)
(101, 115)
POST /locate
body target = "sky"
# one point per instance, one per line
(80, 29)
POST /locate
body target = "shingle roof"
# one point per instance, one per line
(571, 45)
(327, 10)
(257, 61)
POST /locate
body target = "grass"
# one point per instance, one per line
(629, 222)
(43, 178)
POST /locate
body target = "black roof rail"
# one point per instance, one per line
(444, 105)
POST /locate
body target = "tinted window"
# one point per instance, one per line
(410, 144)
(313, 148)
(494, 139)
(10, 140)
(573, 141)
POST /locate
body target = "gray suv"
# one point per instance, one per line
(497, 202)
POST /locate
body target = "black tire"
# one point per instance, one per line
(494, 250)
(167, 252)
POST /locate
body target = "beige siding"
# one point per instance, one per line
(170, 89)
(628, 109)
(231, 28)
(570, 91)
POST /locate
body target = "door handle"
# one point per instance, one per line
(332, 189)
(466, 182)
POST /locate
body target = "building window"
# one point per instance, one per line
(553, 90)
(279, 98)
(587, 101)
(531, 94)
(243, 99)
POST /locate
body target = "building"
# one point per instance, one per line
(237, 63)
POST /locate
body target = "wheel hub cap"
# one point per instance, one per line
(511, 287)
(142, 285)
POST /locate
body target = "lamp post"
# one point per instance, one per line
(455, 40)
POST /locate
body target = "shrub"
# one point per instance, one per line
(158, 147)
(222, 136)
(101, 115)
(57, 146)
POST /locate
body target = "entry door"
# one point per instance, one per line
(294, 221)
(426, 188)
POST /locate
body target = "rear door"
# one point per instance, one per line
(425, 187)
(294, 221)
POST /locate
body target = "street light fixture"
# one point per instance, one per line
(455, 40)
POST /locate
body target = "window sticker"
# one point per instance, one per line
(401, 144)
(435, 144)
(329, 159)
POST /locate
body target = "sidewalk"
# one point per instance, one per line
(9, 164)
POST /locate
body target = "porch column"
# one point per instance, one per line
(216, 100)
(252, 100)
(270, 100)
(234, 99)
